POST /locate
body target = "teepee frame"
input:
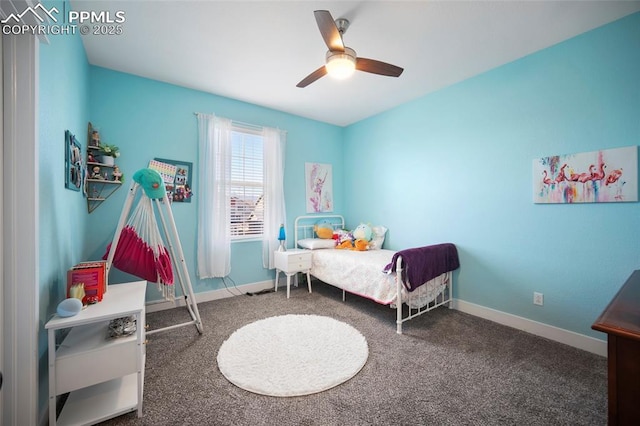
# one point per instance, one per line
(175, 250)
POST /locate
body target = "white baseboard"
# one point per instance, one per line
(580, 341)
(207, 296)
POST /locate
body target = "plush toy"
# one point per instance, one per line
(363, 232)
(342, 235)
(323, 229)
(345, 245)
(361, 245)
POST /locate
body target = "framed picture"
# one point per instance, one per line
(179, 189)
(74, 167)
(605, 176)
(319, 187)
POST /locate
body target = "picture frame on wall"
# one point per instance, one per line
(319, 187)
(604, 176)
(74, 167)
(180, 190)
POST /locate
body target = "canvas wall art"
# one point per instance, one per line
(319, 184)
(605, 176)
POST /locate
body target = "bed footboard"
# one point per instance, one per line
(416, 307)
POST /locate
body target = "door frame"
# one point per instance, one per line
(20, 225)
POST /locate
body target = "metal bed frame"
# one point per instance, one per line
(303, 228)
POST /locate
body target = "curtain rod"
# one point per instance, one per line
(239, 123)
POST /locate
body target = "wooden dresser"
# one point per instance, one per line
(621, 321)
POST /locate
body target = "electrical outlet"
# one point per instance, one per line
(538, 298)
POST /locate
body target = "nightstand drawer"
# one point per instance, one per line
(293, 261)
(299, 262)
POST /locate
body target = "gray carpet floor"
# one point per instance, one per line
(448, 368)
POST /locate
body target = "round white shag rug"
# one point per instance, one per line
(292, 355)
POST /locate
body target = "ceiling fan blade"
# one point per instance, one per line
(320, 72)
(329, 30)
(378, 67)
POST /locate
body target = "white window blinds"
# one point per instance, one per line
(247, 185)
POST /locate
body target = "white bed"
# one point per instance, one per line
(361, 273)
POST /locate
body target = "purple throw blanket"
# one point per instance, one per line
(422, 264)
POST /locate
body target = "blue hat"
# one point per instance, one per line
(151, 182)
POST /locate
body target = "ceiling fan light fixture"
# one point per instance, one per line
(341, 65)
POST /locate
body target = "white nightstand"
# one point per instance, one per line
(291, 262)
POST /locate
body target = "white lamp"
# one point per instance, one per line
(341, 65)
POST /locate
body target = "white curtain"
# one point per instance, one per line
(274, 209)
(213, 195)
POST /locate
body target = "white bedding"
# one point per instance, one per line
(360, 272)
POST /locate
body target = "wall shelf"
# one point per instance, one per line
(99, 190)
(101, 182)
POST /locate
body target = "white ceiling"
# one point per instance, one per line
(257, 51)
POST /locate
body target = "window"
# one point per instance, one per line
(247, 185)
(241, 169)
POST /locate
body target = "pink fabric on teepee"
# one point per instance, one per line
(139, 249)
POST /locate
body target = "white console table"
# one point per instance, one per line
(105, 377)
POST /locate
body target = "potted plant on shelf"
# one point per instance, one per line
(108, 154)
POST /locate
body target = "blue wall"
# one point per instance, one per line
(452, 166)
(456, 166)
(149, 119)
(64, 105)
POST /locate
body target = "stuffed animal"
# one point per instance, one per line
(358, 245)
(341, 235)
(323, 229)
(363, 232)
(361, 245)
(345, 245)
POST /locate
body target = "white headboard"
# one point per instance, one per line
(304, 225)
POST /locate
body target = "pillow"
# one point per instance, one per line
(316, 243)
(377, 238)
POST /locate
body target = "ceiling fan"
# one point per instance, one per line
(341, 61)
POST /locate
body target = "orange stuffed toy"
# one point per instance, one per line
(323, 229)
(361, 245)
(346, 245)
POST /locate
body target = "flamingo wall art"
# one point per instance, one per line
(605, 176)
